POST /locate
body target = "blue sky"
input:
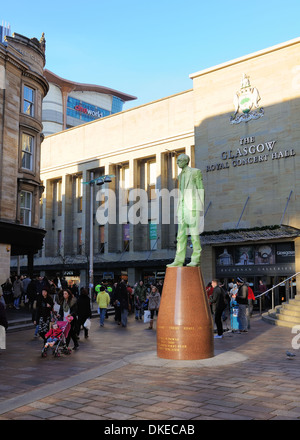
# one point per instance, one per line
(149, 49)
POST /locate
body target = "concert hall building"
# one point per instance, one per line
(239, 123)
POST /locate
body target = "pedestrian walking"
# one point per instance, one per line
(43, 310)
(68, 309)
(218, 299)
(103, 301)
(153, 304)
(242, 300)
(140, 293)
(3, 326)
(7, 289)
(17, 291)
(84, 311)
(122, 299)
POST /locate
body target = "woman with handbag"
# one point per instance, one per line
(68, 309)
(8, 292)
(153, 304)
(43, 310)
(84, 311)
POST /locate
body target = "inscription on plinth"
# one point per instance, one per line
(184, 323)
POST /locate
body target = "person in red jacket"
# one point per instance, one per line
(251, 298)
(52, 336)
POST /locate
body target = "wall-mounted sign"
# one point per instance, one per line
(255, 260)
(89, 112)
(249, 153)
(153, 231)
(258, 254)
(83, 110)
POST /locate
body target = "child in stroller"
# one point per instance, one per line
(56, 338)
(52, 335)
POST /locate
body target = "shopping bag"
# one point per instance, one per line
(147, 316)
(2, 338)
(87, 324)
(56, 307)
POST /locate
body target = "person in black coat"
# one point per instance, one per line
(3, 317)
(44, 306)
(115, 300)
(8, 292)
(242, 300)
(218, 298)
(121, 297)
(84, 311)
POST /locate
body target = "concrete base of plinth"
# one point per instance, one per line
(184, 323)
(220, 359)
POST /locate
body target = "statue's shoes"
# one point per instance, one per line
(191, 264)
(175, 264)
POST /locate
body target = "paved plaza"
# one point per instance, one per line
(116, 375)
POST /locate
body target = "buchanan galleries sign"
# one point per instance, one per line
(249, 153)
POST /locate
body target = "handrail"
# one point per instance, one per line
(272, 289)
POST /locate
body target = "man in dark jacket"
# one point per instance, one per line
(242, 300)
(140, 293)
(3, 317)
(84, 311)
(218, 298)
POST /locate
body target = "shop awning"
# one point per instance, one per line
(266, 233)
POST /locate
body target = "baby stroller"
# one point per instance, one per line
(60, 346)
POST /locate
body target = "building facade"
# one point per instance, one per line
(238, 123)
(22, 89)
(69, 104)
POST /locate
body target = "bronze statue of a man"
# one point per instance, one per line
(189, 212)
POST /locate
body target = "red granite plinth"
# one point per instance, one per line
(184, 323)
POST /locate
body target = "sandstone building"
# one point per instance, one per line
(22, 89)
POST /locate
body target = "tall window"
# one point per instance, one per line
(59, 243)
(79, 241)
(41, 205)
(126, 237)
(25, 208)
(27, 151)
(152, 180)
(79, 192)
(125, 184)
(101, 239)
(59, 197)
(28, 101)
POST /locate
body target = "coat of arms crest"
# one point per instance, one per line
(246, 103)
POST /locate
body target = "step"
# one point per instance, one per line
(18, 327)
(289, 311)
(266, 317)
(289, 318)
(25, 323)
(290, 305)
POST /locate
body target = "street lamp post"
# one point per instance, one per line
(98, 181)
(91, 265)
